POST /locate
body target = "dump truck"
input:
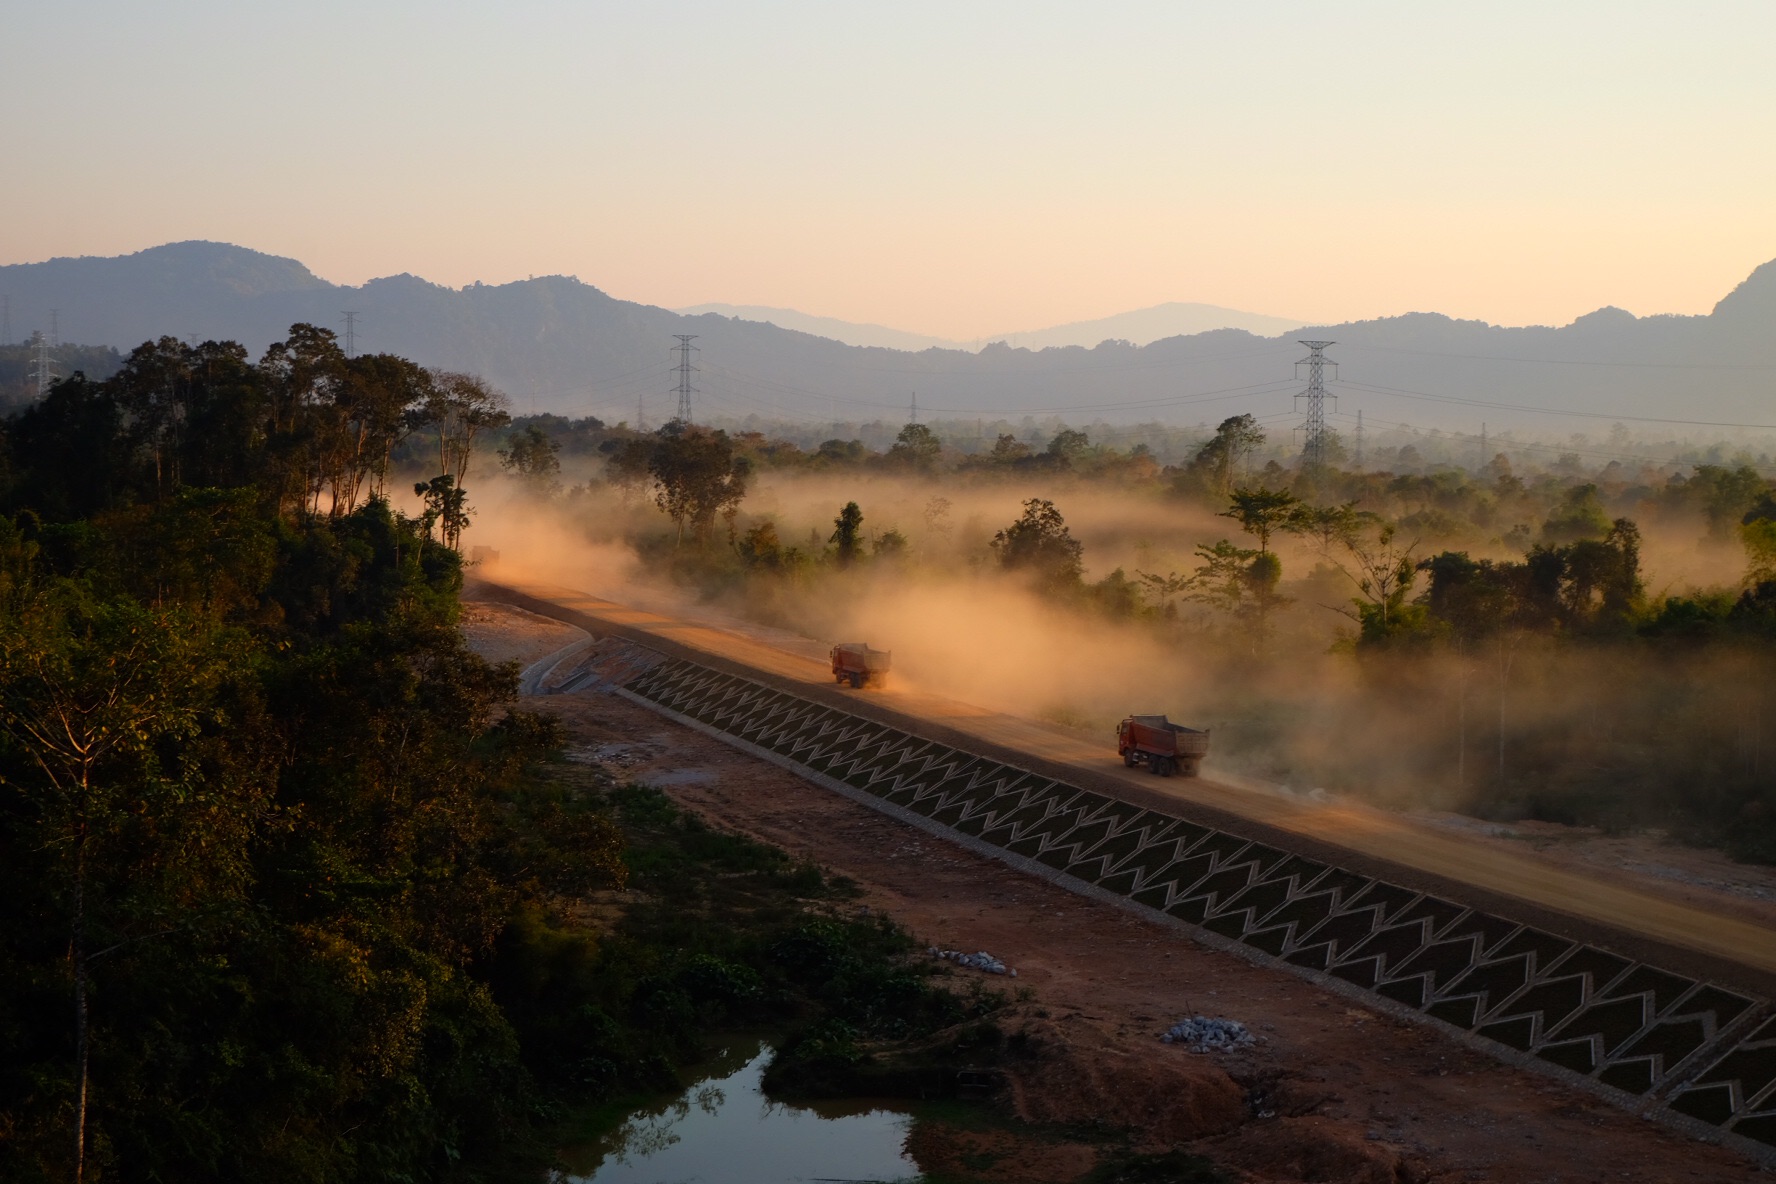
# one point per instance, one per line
(1163, 746)
(855, 663)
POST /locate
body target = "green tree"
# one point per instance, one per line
(1384, 575)
(1326, 528)
(1578, 516)
(916, 447)
(1008, 450)
(1067, 447)
(92, 694)
(890, 545)
(696, 476)
(1262, 512)
(447, 507)
(629, 465)
(1040, 544)
(1222, 581)
(459, 408)
(303, 376)
(1217, 463)
(847, 535)
(533, 456)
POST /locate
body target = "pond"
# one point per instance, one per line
(723, 1130)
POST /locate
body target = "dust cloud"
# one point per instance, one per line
(1514, 727)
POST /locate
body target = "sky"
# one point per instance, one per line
(959, 169)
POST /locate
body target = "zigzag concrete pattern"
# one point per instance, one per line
(1654, 1038)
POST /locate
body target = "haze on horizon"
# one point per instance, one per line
(943, 170)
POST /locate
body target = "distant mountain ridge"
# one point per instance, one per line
(560, 345)
(1140, 327)
(848, 332)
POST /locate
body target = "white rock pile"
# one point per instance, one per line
(977, 961)
(1202, 1034)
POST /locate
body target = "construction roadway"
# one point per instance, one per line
(1634, 921)
(1661, 1007)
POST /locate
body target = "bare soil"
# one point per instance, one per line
(1334, 1092)
(1695, 875)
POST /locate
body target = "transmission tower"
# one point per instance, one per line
(685, 390)
(42, 368)
(913, 411)
(1359, 460)
(5, 320)
(640, 413)
(351, 334)
(1313, 429)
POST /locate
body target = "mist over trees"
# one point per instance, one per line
(1490, 631)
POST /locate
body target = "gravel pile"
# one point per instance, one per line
(1202, 1034)
(977, 961)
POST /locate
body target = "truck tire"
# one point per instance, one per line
(1128, 759)
(856, 681)
(1167, 766)
(1153, 764)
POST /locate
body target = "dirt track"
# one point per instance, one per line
(1733, 928)
(1362, 1097)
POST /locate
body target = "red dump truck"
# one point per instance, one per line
(1165, 747)
(855, 663)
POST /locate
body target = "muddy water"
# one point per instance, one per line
(723, 1130)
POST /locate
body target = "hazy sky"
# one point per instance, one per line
(957, 168)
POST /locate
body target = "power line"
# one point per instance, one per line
(1511, 445)
(1430, 353)
(1464, 401)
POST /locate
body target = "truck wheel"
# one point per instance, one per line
(1153, 765)
(856, 681)
(1166, 766)
(1128, 759)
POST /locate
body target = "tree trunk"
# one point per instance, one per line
(80, 1037)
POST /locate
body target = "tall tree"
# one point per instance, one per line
(1040, 543)
(91, 694)
(696, 476)
(847, 535)
(1217, 464)
(1262, 512)
(916, 447)
(459, 408)
(534, 457)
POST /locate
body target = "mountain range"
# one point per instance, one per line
(557, 344)
(1143, 325)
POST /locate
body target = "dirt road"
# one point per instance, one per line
(1738, 931)
(1335, 1093)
